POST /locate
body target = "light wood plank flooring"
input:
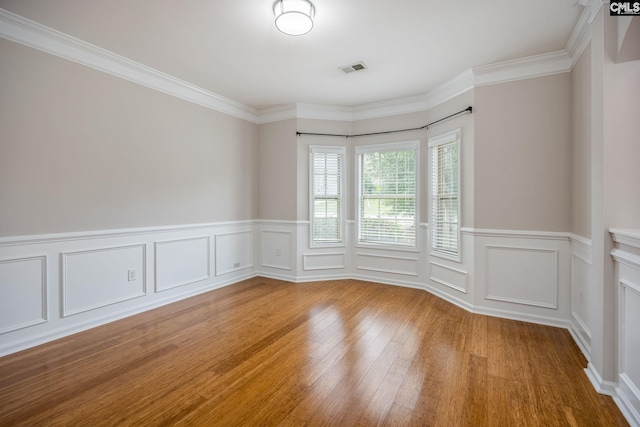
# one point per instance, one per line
(264, 352)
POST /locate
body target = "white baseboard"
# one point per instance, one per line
(584, 346)
(603, 387)
(523, 317)
(627, 398)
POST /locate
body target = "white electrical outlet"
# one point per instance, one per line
(131, 274)
(278, 252)
(236, 265)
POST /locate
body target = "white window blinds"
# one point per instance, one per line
(387, 212)
(445, 193)
(326, 166)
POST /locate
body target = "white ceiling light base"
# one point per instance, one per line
(294, 17)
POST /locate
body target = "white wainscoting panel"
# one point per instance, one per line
(580, 296)
(630, 337)
(323, 261)
(275, 249)
(629, 347)
(88, 285)
(394, 264)
(451, 277)
(96, 278)
(23, 293)
(522, 275)
(182, 262)
(234, 251)
(627, 258)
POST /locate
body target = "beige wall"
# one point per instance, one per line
(581, 145)
(277, 171)
(523, 154)
(83, 150)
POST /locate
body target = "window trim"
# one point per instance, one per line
(380, 148)
(445, 138)
(342, 152)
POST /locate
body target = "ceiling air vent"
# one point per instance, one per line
(358, 66)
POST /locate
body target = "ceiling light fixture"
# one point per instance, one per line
(294, 17)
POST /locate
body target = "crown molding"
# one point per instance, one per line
(324, 112)
(593, 6)
(450, 89)
(436, 96)
(523, 68)
(29, 33)
(305, 111)
(414, 104)
(392, 107)
(277, 114)
(581, 34)
(362, 112)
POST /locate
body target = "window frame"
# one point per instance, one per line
(387, 147)
(341, 151)
(442, 139)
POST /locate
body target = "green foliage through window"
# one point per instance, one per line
(388, 197)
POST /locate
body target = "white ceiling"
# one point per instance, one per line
(232, 47)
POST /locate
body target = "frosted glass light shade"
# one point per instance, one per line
(294, 17)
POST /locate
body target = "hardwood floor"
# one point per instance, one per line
(264, 352)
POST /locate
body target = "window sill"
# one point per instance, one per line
(327, 245)
(454, 258)
(396, 248)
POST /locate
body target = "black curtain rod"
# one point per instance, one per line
(466, 110)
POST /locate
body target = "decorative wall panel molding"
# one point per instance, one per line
(627, 258)
(89, 285)
(276, 249)
(581, 292)
(323, 261)
(234, 251)
(23, 292)
(580, 296)
(522, 275)
(181, 262)
(99, 277)
(629, 346)
(407, 266)
(451, 277)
